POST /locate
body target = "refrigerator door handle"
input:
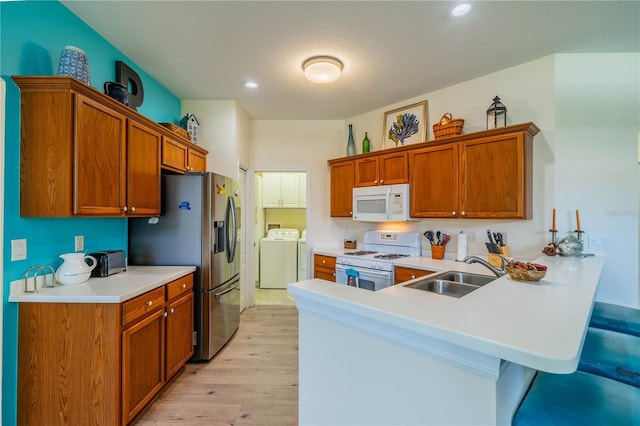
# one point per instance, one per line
(229, 289)
(231, 239)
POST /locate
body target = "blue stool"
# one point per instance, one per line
(616, 318)
(578, 399)
(612, 355)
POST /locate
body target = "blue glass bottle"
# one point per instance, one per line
(351, 145)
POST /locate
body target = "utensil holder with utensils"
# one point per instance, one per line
(437, 252)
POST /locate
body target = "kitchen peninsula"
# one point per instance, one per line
(437, 359)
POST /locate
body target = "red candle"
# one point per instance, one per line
(553, 226)
(578, 220)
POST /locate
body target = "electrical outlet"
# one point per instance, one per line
(79, 243)
(18, 250)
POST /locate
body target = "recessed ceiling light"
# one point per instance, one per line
(250, 84)
(322, 69)
(461, 9)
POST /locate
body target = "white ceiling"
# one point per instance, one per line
(391, 50)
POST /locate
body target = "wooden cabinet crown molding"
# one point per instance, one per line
(52, 83)
(530, 128)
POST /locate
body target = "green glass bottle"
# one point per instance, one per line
(366, 145)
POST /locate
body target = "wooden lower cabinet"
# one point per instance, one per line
(403, 274)
(179, 334)
(101, 363)
(324, 267)
(142, 363)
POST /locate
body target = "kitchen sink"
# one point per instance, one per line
(464, 277)
(451, 283)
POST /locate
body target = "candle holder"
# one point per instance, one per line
(554, 233)
(579, 233)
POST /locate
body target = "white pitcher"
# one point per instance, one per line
(74, 269)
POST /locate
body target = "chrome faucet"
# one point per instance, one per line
(497, 272)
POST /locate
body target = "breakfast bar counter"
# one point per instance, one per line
(449, 360)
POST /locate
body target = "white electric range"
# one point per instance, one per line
(372, 267)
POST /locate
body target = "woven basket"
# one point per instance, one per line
(448, 126)
(177, 130)
(350, 244)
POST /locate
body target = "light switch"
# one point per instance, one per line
(18, 250)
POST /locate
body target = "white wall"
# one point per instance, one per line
(224, 132)
(596, 161)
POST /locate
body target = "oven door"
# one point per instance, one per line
(368, 279)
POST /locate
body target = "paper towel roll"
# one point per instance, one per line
(461, 251)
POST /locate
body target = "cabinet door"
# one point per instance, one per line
(367, 171)
(174, 155)
(99, 165)
(324, 267)
(342, 181)
(290, 190)
(179, 334)
(197, 162)
(143, 348)
(271, 190)
(434, 181)
(143, 170)
(493, 177)
(394, 168)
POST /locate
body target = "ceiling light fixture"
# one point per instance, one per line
(461, 9)
(322, 69)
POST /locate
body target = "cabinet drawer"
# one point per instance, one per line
(403, 274)
(179, 286)
(324, 261)
(142, 305)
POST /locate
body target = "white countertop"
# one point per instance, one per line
(540, 325)
(116, 288)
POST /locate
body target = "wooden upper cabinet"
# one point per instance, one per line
(342, 182)
(434, 182)
(179, 157)
(381, 169)
(143, 170)
(494, 177)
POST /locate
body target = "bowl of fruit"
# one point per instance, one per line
(525, 271)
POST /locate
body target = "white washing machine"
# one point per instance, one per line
(302, 256)
(279, 258)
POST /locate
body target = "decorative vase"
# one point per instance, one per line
(74, 62)
(351, 146)
(366, 145)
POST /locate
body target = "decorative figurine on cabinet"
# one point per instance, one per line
(190, 123)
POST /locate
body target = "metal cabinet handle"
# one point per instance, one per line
(124, 209)
(381, 181)
(149, 302)
(324, 261)
(165, 314)
(413, 276)
(453, 213)
(463, 213)
(375, 181)
(172, 311)
(184, 285)
(133, 209)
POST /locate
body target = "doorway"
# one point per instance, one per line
(279, 246)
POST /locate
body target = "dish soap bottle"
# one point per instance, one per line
(351, 146)
(366, 145)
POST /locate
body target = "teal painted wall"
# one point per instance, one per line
(32, 35)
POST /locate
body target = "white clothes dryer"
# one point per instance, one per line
(279, 258)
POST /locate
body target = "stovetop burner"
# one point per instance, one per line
(360, 252)
(390, 256)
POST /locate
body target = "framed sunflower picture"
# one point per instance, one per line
(406, 125)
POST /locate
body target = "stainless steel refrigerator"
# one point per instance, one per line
(198, 226)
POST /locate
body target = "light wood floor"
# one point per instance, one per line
(252, 381)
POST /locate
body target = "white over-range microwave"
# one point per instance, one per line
(383, 203)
